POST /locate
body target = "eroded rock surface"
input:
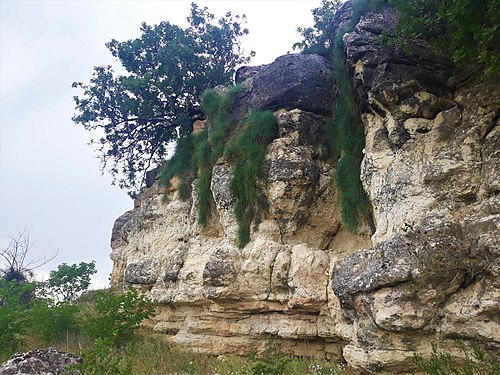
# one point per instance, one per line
(48, 361)
(429, 271)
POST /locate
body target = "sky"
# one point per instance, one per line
(50, 183)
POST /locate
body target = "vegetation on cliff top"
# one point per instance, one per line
(167, 70)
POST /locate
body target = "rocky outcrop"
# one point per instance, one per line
(428, 272)
(291, 82)
(48, 361)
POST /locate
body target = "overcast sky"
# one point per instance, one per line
(50, 182)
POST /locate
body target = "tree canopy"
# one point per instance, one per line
(153, 102)
(319, 37)
(69, 281)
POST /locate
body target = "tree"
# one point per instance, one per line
(319, 37)
(69, 281)
(17, 266)
(167, 70)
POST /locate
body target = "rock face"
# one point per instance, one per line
(40, 361)
(429, 271)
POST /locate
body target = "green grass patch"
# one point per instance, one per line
(345, 132)
(248, 150)
(245, 144)
(180, 165)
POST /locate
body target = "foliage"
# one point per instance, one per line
(116, 316)
(346, 133)
(180, 165)
(53, 322)
(319, 38)
(271, 362)
(196, 155)
(467, 31)
(476, 362)
(13, 315)
(245, 144)
(102, 359)
(248, 150)
(211, 142)
(167, 70)
(69, 281)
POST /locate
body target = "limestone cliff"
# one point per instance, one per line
(427, 271)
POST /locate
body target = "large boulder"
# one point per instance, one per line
(48, 361)
(292, 81)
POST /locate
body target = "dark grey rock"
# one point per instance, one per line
(143, 272)
(388, 263)
(174, 263)
(48, 361)
(291, 81)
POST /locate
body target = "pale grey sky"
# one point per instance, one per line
(49, 178)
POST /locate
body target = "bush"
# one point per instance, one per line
(14, 306)
(52, 323)
(102, 359)
(464, 30)
(115, 317)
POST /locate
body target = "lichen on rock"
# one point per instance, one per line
(428, 272)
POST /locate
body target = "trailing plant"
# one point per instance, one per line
(248, 149)
(180, 165)
(196, 155)
(210, 146)
(346, 133)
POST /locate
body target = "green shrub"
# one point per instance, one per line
(475, 362)
(270, 362)
(14, 308)
(114, 318)
(102, 359)
(248, 150)
(51, 323)
(466, 31)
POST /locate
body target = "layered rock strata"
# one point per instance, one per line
(429, 271)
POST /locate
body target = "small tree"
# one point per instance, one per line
(13, 315)
(69, 281)
(17, 265)
(319, 37)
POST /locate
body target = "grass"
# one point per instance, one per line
(150, 354)
(345, 133)
(248, 150)
(245, 144)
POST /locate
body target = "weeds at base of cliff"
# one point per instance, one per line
(475, 361)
